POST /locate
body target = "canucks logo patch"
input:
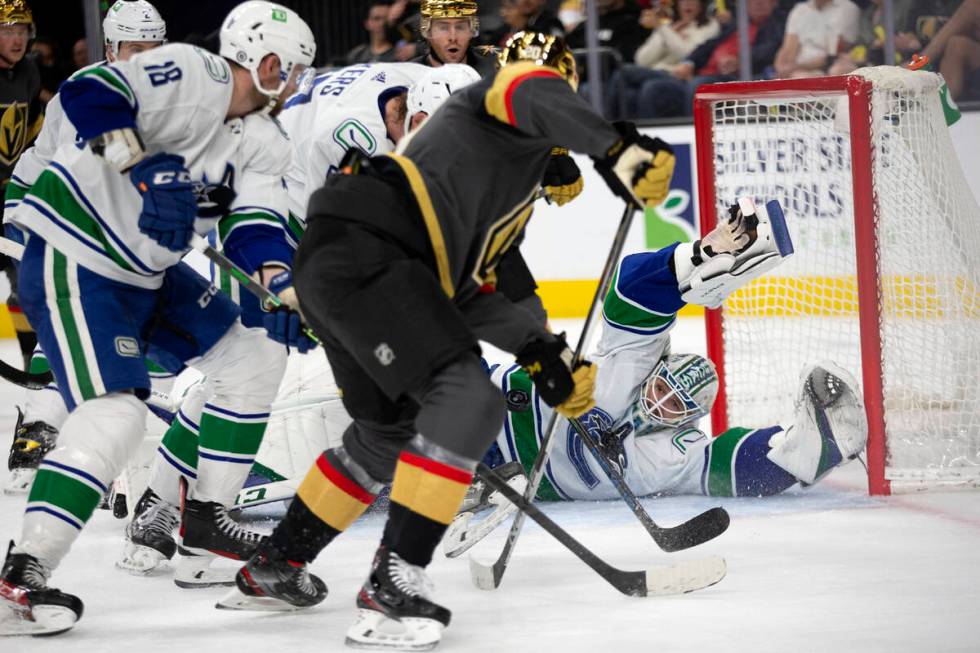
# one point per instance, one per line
(598, 424)
(351, 133)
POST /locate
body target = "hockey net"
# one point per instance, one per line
(886, 276)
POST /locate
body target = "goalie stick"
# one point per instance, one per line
(679, 578)
(697, 530)
(496, 573)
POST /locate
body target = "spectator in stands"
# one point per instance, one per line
(403, 27)
(957, 50)
(79, 54)
(541, 19)
(816, 31)
(44, 51)
(669, 43)
(571, 13)
(619, 28)
(714, 61)
(448, 26)
(515, 20)
(378, 47)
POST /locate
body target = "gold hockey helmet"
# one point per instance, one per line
(16, 12)
(541, 49)
(433, 9)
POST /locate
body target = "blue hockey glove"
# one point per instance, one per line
(284, 322)
(169, 205)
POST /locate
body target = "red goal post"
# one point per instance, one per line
(842, 154)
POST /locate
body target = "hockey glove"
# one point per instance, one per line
(637, 168)
(169, 205)
(561, 383)
(284, 323)
(562, 179)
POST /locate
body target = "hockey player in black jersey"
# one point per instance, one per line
(396, 273)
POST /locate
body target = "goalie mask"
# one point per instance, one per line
(130, 21)
(680, 390)
(540, 49)
(435, 9)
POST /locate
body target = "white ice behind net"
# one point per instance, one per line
(798, 151)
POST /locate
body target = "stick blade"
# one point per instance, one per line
(684, 577)
(485, 577)
(698, 530)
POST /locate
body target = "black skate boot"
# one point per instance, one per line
(206, 527)
(395, 610)
(271, 582)
(31, 442)
(150, 535)
(27, 605)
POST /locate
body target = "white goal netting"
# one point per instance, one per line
(798, 150)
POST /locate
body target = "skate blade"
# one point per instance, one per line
(463, 533)
(20, 481)
(373, 631)
(41, 621)
(196, 572)
(235, 600)
(142, 560)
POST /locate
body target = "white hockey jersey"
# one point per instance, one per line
(637, 316)
(180, 95)
(334, 111)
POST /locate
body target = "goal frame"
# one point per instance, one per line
(866, 209)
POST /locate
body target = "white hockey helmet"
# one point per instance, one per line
(680, 389)
(258, 28)
(435, 87)
(132, 20)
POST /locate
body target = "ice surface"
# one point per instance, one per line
(829, 569)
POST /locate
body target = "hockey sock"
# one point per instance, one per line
(94, 443)
(425, 496)
(738, 467)
(327, 502)
(176, 457)
(226, 448)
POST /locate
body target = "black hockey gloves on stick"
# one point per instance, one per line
(562, 181)
(562, 381)
(637, 168)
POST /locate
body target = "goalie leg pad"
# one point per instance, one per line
(714, 278)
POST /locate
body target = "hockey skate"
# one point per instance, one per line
(31, 442)
(463, 533)
(395, 612)
(269, 581)
(150, 539)
(830, 426)
(27, 605)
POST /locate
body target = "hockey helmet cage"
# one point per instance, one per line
(435, 87)
(680, 390)
(434, 9)
(258, 28)
(16, 12)
(541, 49)
(132, 20)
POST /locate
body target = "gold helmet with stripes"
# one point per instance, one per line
(16, 12)
(541, 49)
(435, 9)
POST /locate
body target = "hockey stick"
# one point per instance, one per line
(23, 378)
(537, 471)
(247, 282)
(679, 578)
(697, 530)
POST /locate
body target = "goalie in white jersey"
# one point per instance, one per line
(108, 223)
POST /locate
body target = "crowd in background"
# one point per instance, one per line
(657, 52)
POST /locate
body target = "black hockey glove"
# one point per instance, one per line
(563, 384)
(637, 168)
(562, 179)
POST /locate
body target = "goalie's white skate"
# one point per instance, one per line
(194, 571)
(463, 533)
(830, 426)
(19, 481)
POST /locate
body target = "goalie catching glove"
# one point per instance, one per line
(169, 204)
(749, 242)
(562, 383)
(562, 180)
(637, 168)
(285, 322)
